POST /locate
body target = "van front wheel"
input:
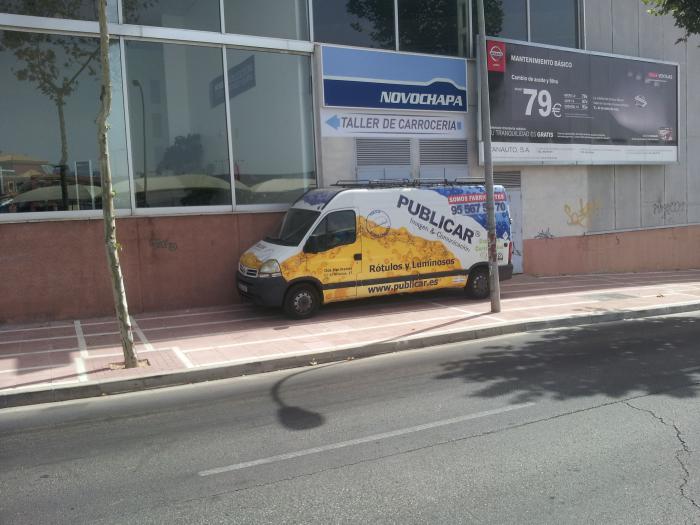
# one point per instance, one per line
(478, 284)
(301, 301)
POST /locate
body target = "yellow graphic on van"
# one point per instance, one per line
(250, 260)
(294, 266)
(407, 286)
(397, 253)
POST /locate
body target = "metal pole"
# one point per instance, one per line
(494, 283)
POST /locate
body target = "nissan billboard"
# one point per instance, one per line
(563, 106)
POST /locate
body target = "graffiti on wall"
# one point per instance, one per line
(163, 244)
(668, 208)
(580, 215)
(544, 234)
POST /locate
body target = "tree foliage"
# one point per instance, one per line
(53, 63)
(685, 12)
(381, 17)
(184, 155)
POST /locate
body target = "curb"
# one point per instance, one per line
(213, 373)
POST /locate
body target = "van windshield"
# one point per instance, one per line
(294, 226)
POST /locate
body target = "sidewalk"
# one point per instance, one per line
(66, 360)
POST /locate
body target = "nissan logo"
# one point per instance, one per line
(495, 53)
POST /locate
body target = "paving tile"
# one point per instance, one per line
(12, 336)
(242, 332)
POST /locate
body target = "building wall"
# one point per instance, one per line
(172, 262)
(564, 206)
(672, 248)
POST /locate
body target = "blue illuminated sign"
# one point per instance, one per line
(360, 78)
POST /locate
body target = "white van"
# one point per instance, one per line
(362, 240)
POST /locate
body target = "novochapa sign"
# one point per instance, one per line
(370, 79)
(559, 106)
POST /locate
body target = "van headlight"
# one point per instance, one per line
(270, 268)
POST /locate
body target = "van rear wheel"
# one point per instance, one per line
(478, 283)
(301, 301)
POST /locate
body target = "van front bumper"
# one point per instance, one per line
(268, 291)
(505, 272)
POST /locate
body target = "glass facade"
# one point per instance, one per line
(178, 125)
(69, 9)
(433, 26)
(504, 18)
(554, 22)
(271, 126)
(48, 136)
(212, 119)
(182, 14)
(365, 23)
(288, 19)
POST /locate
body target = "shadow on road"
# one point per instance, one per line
(642, 356)
(293, 417)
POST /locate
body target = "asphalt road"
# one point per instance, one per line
(589, 425)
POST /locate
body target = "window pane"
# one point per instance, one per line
(554, 22)
(76, 9)
(366, 23)
(505, 18)
(336, 229)
(271, 123)
(287, 19)
(48, 140)
(191, 14)
(178, 125)
(433, 26)
(342, 222)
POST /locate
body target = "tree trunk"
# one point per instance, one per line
(62, 165)
(110, 226)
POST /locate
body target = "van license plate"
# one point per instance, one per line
(242, 287)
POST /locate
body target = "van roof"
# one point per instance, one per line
(318, 198)
(407, 183)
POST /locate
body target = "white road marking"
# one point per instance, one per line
(33, 352)
(34, 386)
(550, 305)
(54, 338)
(37, 339)
(182, 357)
(192, 314)
(469, 312)
(80, 367)
(80, 361)
(139, 333)
(386, 325)
(26, 368)
(81, 339)
(323, 334)
(34, 328)
(360, 441)
(118, 354)
(207, 323)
